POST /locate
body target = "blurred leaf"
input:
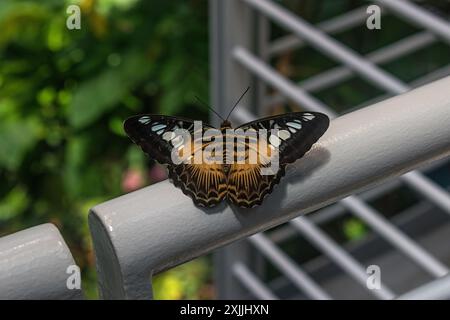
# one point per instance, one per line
(136, 158)
(182, 282)
(13, 204)
(354, 229)
(102, 93)
(17, 137)
(116, 126)
(56, 34)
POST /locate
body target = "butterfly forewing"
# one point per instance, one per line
(296, 132)
(156, 134)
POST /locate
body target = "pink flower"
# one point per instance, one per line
(157, 173)
(133, 179)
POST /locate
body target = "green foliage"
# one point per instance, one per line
(65, 93)
(187, 281)
(354, 229)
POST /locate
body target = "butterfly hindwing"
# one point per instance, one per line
(247, 187)
(294, 135)
(206, 184)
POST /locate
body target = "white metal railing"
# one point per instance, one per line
(138, 235)
(235, 50)
(34, 264)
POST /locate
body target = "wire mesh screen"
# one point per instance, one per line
(335, 57)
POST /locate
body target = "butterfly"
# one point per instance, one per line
(289, 136)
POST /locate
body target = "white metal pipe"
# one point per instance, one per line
(252, 283)
(36, 263)
(158, 227)
(328, 45)
(429, 77)
(418, 16)
(271, 76)
(438, 289)
(358, 207)
(429, 189)
(289, 268)
(334, 25)
(321, 240)
(388, 53)
(395, 236)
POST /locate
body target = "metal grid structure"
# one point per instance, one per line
(339, 270)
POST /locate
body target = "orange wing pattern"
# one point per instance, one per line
(247, 186)
(242, 183)
(206, 184)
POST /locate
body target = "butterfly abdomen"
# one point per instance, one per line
(228, 144)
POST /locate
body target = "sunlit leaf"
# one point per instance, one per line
(13, 204)
(104, 92)
(17, 137)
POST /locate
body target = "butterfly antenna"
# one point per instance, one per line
(237, 102)
(206, 105)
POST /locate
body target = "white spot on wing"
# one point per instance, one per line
(158, 127)
(274, 140)
(294, 125)
(169, 135)
(144, 120)
(308, 116)
(178, 141)
(284, 134)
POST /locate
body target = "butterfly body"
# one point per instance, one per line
(248, 163)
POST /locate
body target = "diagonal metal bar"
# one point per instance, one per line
(388, 53)
(395, 236)
(430, 77)
(328, 45)
(430, 190)
(420, 183)
(358, 207)
(332, 26)
(418, 16)
(383, 55)
(293, 271)
(269, 75)
(322, 241)
(438, 289)
(252, 283)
